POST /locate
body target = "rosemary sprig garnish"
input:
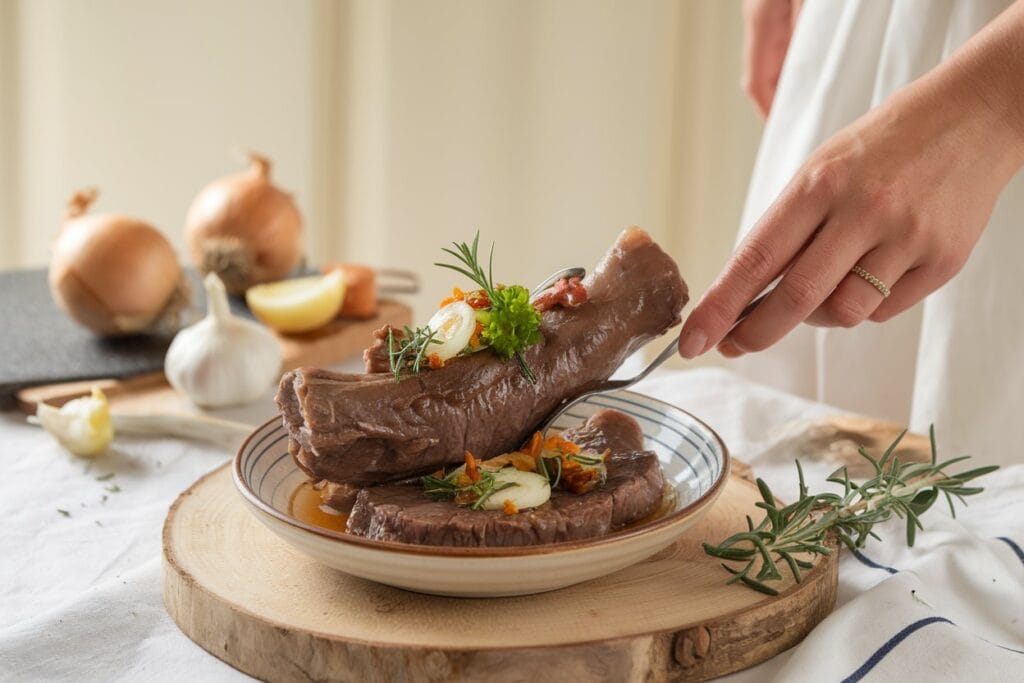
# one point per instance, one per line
(515, 321)
(449, 488)
(471, 268)
(804, 526)
(410, 350)
(586, 459)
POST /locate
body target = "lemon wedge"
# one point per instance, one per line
(298, 305)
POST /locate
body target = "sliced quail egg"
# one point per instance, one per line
(453, 326)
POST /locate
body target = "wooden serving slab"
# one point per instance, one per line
(250, 599)
(150, 392)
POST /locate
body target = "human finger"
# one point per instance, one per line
(813, 277)
(915, 285)
(777, 237)
(856, 297)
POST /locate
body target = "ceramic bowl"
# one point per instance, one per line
(696, 465)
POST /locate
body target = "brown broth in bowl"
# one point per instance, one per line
(306, 506)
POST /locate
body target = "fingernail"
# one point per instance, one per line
(692, 343)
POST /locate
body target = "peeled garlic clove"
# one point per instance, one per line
(81, 425)
(222, 360)
(453, 327)
(529, 490)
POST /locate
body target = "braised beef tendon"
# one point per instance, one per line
(359, 430)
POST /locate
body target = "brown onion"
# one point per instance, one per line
(114, 274)
(244, 229)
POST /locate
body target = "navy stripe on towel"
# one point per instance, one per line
(890, 645)
(868, 562)
(1016, 548)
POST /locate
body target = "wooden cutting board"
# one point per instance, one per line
(253, 601)
(150, 393)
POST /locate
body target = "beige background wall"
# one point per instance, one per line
(400, 126)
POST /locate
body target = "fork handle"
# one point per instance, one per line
(673, 346)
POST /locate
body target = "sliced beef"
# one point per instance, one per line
(634, 490)
(367, 429)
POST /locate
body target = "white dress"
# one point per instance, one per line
(957, 359)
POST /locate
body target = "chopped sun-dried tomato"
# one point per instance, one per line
(435, 361)
(472, 471)
(478, 301)
(564, 293)
(509, 508)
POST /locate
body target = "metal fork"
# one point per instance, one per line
(575, 271)
(614, 385)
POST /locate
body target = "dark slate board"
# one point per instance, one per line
(39, 344)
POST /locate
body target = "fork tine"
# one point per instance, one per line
(574, 271)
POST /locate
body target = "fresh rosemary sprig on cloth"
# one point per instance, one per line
(793, 532)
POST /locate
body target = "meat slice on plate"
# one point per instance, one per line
(635, 489)
(357, 430)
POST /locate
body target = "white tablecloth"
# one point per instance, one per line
(80, 594)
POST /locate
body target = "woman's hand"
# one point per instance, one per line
(904, 192)
(767, 28)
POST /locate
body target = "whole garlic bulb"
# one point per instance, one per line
(222, 360)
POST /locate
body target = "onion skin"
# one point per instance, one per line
(113, 274)
(245, 229)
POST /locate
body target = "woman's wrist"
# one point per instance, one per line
(983, 79)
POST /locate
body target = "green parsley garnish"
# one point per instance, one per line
(511, 324)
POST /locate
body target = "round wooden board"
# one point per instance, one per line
(250, 599)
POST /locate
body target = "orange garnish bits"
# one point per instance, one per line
(435, 361)
(557, 443)
(474, 339)
(457, 295)
(472, 471)
(534, 449)
(509, 508)
(524, 462)
(476, 299)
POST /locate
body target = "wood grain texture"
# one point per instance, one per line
(150, 393)
(256, 603)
